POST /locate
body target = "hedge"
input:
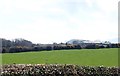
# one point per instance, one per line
(57, 70)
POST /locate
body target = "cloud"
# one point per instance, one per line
(58, 20)
(104, 5)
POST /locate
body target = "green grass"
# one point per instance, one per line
(90, 57)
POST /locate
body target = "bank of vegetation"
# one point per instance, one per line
(22, 45)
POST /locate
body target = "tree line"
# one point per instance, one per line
(22, 45)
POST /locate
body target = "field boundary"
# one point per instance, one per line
(57, 70)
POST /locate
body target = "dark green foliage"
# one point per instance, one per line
(22, 45)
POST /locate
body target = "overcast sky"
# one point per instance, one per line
(48, 21)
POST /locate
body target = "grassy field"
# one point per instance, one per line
(91, 57)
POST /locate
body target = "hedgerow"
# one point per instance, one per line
(57, 70)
